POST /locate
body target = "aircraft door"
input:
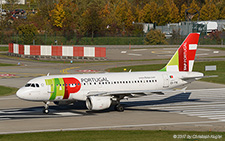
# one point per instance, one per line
(165, 81)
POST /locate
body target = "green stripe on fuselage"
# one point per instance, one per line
(57, 87)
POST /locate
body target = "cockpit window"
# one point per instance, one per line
(27, 85)
(32, 85)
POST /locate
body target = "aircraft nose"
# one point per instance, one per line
(21, 93)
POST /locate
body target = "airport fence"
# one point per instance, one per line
(57, 52)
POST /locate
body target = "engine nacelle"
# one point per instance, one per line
(98, 102)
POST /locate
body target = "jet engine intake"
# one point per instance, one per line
(98, 102)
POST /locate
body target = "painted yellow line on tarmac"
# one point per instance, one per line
(65, 71)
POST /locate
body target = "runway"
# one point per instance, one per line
(200, 108)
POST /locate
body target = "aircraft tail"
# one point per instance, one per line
(183, 59)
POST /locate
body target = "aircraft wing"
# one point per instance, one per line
(129, 93)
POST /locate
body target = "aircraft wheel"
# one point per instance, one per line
(119, 108)
(45, 111)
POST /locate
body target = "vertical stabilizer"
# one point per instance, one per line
(183, 59)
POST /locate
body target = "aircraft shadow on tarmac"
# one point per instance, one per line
(79, 109)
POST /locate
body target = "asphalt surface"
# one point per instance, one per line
(200, 108)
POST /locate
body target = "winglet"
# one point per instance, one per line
(183, 59)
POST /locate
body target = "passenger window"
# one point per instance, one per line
(37, 85)
(32, 85)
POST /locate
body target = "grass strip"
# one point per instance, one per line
(4, 48)
(4, 91)
(115, 135)
(3, 64)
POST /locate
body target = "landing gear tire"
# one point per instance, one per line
(45, 111)
(119, 108)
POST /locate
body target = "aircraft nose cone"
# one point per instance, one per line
(21, 93)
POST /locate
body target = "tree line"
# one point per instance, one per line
(107, 17)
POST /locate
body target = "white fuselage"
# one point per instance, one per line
(79, 86)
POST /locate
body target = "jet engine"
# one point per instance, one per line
(98, 102)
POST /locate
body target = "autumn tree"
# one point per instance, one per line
(209, 11)
(168, 13)
(222, 14)
(124, 16)
(108, 19)
(27, 33)
(182, 12)
(193, 7)
(58, 15)
(70, 24)
(155, 37)
(91, 19)
(149, 13)
(174, 16)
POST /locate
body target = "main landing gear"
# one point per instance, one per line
(45, 109)
(119, 107)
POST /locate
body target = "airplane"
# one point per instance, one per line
(101, 90)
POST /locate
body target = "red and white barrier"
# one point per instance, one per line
(46, 50)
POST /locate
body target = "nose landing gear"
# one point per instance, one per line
(45, 109)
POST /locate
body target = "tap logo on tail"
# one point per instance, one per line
(183, 59)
